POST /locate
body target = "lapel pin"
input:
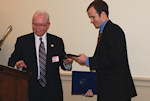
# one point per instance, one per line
(52, 45)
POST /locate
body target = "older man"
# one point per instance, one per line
(39, 52)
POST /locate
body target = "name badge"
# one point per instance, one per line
(55, 59)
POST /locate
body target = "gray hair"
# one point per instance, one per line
(40, 12)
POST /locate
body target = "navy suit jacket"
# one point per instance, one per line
(25, 50)
(111, 64)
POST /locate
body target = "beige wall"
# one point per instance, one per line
(142, 87)
(70, 21)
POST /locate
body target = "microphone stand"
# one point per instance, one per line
(0, 44)
(2, 40)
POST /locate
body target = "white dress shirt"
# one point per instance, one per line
(37, 44)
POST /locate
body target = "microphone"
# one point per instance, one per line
(3, 38)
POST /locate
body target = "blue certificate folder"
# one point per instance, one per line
(82, 81)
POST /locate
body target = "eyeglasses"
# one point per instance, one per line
(39, 25)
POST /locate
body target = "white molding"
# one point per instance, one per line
(138, 81)
(66, 76)
(142, 81)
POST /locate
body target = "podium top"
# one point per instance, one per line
(14, 72)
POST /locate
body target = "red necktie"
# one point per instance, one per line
(99, 36)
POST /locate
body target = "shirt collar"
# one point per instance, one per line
(103, 25)
(43, 37)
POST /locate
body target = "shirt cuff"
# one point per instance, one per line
(87, 61)
(19, 68)
(67, 67)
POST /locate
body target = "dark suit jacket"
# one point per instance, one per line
(25, 50)
(111, 63)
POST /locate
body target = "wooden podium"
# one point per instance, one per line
(13, 84)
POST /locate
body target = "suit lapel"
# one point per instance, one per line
(32, 50)
(99, 46)
(50, 45)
